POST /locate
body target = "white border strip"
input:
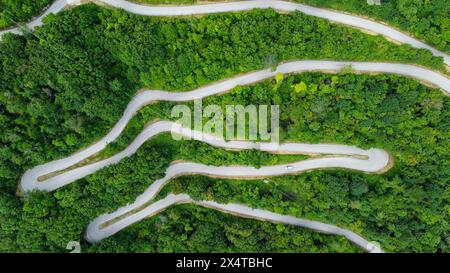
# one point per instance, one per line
(95, 232)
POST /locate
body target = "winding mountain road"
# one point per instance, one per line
(96, 230)
(334, 16)
(373, 160)
(65, 171)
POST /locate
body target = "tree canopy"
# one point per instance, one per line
(427, 20)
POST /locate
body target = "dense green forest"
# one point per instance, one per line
(427, 20)
(63, 90)
(18, 11)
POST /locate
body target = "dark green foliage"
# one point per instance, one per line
(405, 209)
(17, 11)
(427, 20)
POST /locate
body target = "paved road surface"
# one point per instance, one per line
(373, 160)
(376, 160)
(95, 232)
